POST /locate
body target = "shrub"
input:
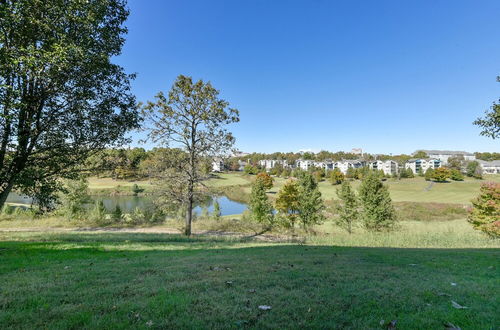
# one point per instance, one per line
(456, 175)
(336, 176)
(266, 179)
(441, 174)
(216, 213)
(429, 174)
(485, 212)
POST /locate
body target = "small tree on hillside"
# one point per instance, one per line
(409, 173)
(441, 174)
(216, 213)
(260, 206)
(310, 202)
(429, 174)
(456, 175)
(378, 213)
(336, 176)
(348, 207)
(474, 170)
(266, 179)
(485, 213)
(287, 204)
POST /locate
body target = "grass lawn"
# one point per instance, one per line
(406, 190)
(109, 185)
(116, 280)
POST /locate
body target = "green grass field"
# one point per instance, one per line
(406, 190)
(117, 280)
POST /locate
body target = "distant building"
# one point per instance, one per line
(357, 151)
(217, 165)
(443, 155)
(305, 164)
(491, 167)
(390, 167)
(238, 153)
(326, 165)
(423, 164)
(271, 163)
(345, 165)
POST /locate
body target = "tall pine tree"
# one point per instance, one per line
(348, 212)
(310, 202)
(260, 206)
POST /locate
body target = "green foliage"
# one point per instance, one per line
(336, 176)
(117, 214)
(490, 123)
(217, 212)
(98, 213)
(474, 170)
(409, 173)
(348, 212)
(136, 189)
(429, 174)
(485, 213)
(75, 198)
(62, 97)
(378, 213)
(456, 175)
(286, 173)
(287, 204)
(441, 174)
(260, 207)
(420, 154)
(310, 211)
(250, 169)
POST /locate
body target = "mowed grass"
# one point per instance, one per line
(116, 280)
(406, 190)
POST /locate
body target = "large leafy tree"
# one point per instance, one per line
(61, 97)
(194, 118)
(490, 123)
(485, 212)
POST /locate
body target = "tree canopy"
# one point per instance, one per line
(61, 97)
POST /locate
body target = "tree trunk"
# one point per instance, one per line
(189, 217)
(5, 192)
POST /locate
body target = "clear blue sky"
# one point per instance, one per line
(385, 76)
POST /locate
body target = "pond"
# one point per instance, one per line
(130, 203)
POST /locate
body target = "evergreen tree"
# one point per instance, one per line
(456, 175)
(216, 213)
(117, 213)
(348, 209)
(310, 202)
(260, 206)
(378, 213)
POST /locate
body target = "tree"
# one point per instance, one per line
(409, 173)
(473, 169)
(260, 207)
(485, 213)
(336, 176)
(456, 175)
(456, 162)
(216, 213)
(378, 213)
(490, 123)
(266, 179)
(420, 154)
(194, 118)
(61, 96)
(287, 203)
(429, 174)
(348, 207)
(311, 205)
(441, 174)
(250, 169)
(75, 197)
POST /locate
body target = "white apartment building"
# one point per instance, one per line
(390, 167)
(344, 165)
(271, 163)
(422, 164)
(443, 155)
(217, 165)
(305, 164)
(491, 167)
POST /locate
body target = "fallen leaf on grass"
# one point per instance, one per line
(229, 282)
(412, 264)
(264, 307)
(443, 294)
(392, 325)
(251, 291)
(149, 323)
(457, 305)
(451, 326)
(453, 284)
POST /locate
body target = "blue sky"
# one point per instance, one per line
(385, 76)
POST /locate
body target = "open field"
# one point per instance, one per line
(79, 280)
(106, 186)
(406, 190)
